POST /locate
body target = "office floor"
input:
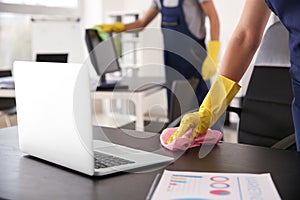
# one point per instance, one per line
(230, 133)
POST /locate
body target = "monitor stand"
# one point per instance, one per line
(109, 86)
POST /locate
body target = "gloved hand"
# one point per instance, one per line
(215, 103)
(114, 27)
(210, 64)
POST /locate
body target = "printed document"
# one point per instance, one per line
(205, 186)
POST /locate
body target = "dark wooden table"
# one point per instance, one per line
(26, 177)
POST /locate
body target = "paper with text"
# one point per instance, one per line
(178, 185)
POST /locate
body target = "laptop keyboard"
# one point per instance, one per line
(104, 160)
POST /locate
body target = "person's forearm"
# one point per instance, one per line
(245, 40)
(238, 56)
(134, 26)
(214, 27)
(210, 10)
(141, 23)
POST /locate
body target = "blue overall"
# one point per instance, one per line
(288, 12)
(173, 19)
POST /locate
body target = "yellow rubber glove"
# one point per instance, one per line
(114, 27)
(213, 106)
(210, 64)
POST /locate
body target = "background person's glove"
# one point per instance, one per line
(215, 103)
(210, 64)
(114, 27)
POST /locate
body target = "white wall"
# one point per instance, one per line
(92, 12)
(229, 12)
(96, 11)
(58, 35)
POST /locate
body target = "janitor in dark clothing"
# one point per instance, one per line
(186, 17)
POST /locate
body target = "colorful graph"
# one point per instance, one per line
(219, 178)
(179, 180)
(219, 184)
(220, 192)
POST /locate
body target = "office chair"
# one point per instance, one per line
(7, 105)
(183, 100)
(52, 57)
(265, 114)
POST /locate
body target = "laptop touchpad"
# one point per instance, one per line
(117, 150)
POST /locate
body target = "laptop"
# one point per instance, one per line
(55, 121)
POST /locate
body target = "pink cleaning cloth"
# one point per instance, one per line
(183, 143)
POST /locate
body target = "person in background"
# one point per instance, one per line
(239, 53)
(186, 17)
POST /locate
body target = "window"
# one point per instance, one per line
(51, 3)
(42, 7)
(15, 39)
(16, 28)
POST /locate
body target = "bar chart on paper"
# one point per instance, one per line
(183, 183)
(207, 186)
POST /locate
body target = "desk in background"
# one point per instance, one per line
(7, 93)
(25, 177)
(7, 100)
(7, 87)
(138, 88)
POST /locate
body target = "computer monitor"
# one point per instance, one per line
(52, 57)
(104, 57)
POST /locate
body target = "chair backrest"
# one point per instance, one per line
(6, 103)
(5, 73)
(52, 57)
(183, 98)
(274, 49)
(266, 115)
